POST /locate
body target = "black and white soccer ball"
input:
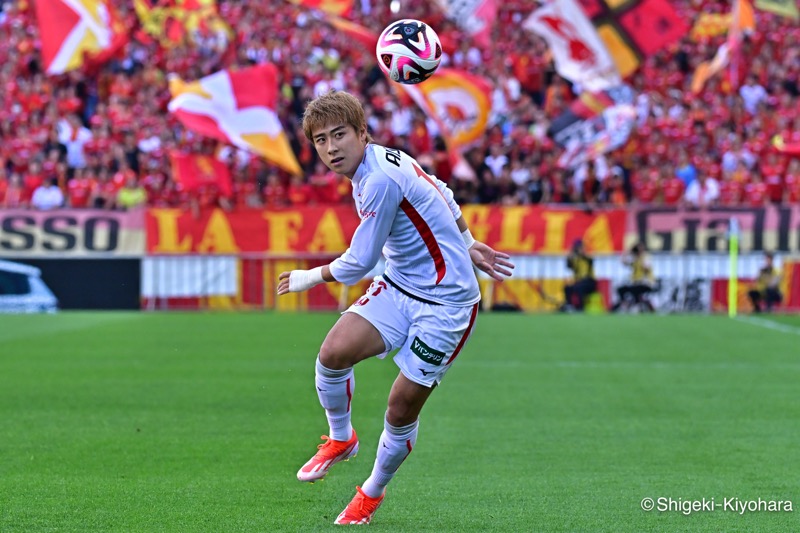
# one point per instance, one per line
(409, 51)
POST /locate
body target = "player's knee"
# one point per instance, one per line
(333, 355)
(400, 413)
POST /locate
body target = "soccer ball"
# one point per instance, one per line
(409, 51)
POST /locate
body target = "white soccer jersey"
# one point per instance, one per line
(411, 217)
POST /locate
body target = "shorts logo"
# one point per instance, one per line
(426, 353)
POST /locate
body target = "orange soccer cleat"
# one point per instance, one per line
(330, 453)
(360, 509)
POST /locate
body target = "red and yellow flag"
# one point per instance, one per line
(239, 107)
(742, 19)
(710, 25)
(460, 103)
(75, 32)
(171, 22)
(340, 8)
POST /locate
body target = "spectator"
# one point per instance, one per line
(685, 170)
(275, 193)
(80, 188)
(496, 160)
(590, 185)
(48, 195)
(756, 192)
(791, 182)
(299, 192)
(74, 136)
(117, 112)
(752, 94)
(13, 193)
(736, 155)
(131, 195)
(703, 192)
(730, 191)
(537, 189)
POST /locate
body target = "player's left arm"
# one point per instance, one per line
(495, 264)
(447, 194)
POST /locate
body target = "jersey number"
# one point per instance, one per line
(379, 286)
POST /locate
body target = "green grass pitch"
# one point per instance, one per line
(191, 422)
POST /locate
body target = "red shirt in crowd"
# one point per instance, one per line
(755, 193)
(242, 190)
(31, 182)
(79, 191)
(275, 195)
(646, 190)
(299, 192)
(673, 190)
(792, 185)
(730, 192)
(326, 188)
(774, 183)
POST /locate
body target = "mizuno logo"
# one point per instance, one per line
(424, 373)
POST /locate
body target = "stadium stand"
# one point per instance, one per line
(96, 129)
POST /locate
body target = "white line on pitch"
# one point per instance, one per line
(769, 324)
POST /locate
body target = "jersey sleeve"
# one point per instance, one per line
(447, 192)
(380, 200)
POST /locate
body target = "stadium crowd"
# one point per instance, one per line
(101, 136)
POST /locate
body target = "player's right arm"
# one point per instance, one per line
(301, 280)
(380, 200)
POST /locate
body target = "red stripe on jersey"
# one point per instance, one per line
(427, 236)
(466, 334)
(421, 174)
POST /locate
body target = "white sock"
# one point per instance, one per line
(395, 445)
(335, 390)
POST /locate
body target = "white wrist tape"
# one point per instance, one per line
(469, 240)
(302, 280)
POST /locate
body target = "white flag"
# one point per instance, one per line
(579, 53)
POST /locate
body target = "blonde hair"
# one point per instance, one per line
(334, 107)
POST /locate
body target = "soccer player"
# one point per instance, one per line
(425, 304)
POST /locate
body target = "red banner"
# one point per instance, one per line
(195, 170)
(524, 229)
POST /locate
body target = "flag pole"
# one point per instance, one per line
(733, 276)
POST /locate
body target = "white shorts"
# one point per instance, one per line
(429, 336)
